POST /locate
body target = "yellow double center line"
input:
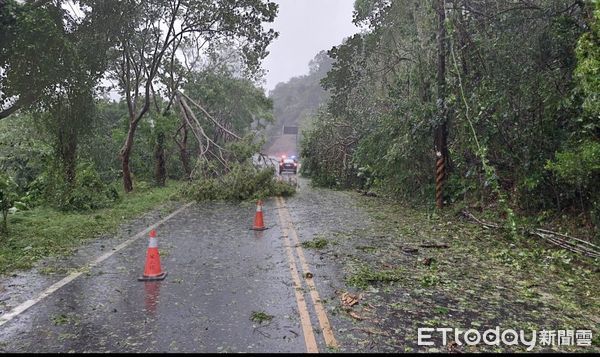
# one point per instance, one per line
(287, 229)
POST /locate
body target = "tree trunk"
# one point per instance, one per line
(160, 171)
(67, 142)
(4, 226)
(441, 124)
(124, 156)
(184, 154)
(185, 160)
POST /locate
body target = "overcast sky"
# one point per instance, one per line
(305, 27)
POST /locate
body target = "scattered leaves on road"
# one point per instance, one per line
(355, 315)
(349, 299)
(260, 317)
(316, 243)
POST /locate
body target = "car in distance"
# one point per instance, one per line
(288, 165)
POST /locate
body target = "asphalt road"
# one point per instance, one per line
(220, 275)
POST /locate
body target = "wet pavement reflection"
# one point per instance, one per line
(151, 299)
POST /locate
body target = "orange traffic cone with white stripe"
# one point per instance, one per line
(259, 225)
(152, 270)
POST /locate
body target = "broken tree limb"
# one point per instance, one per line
(568, 237)
(486, 224)
(561, 240)
(567, 245)
(185, 115)
(210, 117)
(198, 127)
(433, 245)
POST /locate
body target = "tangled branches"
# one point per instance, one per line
(229, 167)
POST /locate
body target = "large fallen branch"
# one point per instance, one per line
(203, 139)
(210, 116)
(564, 241)
(210, 150)
(267, 160)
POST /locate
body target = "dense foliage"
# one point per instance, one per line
(64, 143)
(520, 99)
(243, 182)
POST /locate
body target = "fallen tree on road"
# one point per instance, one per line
(225, 169)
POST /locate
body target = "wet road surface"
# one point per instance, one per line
(219, 274)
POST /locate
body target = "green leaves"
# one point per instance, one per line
(242, 182)
(42, 48)
(588, 66)
(579, 166)
(229, 99)
(512, 103)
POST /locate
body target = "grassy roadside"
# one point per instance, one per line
(473, 278)
(44, 231)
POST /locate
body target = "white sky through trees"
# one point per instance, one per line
(305, 27)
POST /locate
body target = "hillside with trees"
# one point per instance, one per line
(295, 101)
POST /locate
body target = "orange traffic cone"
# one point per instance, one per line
(259, 225)
(152, 269)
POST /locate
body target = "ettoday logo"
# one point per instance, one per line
(507, 337)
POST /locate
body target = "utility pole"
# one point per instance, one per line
(441, 123)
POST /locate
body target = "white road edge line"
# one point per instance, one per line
(54, 287)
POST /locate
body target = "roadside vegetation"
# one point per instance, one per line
(437, 269)
(46, 232)
(129, 100)
(506, 94)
